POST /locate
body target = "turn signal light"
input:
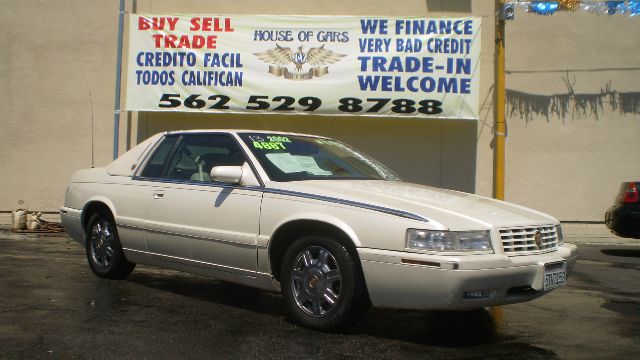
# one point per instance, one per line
(631, 194)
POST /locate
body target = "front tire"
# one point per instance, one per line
(322, 284)
(103, 248)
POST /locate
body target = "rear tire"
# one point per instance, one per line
(322, 284)
(103, 248)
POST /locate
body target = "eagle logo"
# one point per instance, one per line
(316, 57)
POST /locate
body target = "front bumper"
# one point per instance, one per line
(72, 222)
(443, 285)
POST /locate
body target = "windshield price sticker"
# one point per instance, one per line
(271, 145)
(330, 66)
(280, 139)
(272, 142)
(555, 275)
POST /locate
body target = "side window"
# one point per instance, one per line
(196, 154)
(156, 163)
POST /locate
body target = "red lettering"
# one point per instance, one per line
(172, 23)
(198, 42)
(156, 23)
(185, 41)
(170, 41)
(227, 25)
(143, 23)
(206, 24)
(216, 25)
(210, 24)
(211, 41)
(195, 24)
(156, 39)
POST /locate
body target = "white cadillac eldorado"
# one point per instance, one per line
(331, 228)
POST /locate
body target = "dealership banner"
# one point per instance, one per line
(321, 65)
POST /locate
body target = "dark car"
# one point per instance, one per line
(623, 218)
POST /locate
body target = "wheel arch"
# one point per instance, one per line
(96, 205)
(293, 229)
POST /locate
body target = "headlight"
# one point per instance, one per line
(439, 240)
(560, 235)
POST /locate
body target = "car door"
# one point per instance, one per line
(193, 220)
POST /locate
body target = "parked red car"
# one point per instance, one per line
(623, 218)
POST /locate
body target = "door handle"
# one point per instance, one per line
(158, 195)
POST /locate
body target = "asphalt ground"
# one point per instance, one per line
(53, 307)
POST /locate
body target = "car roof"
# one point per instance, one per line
(237, 131)
(127, 163)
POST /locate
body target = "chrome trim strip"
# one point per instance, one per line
(382, 209)
(227, 242)
(130, 227)
(203, 264)
(198, 183)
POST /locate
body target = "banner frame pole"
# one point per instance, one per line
(116, 113)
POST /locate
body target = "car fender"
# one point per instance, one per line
(325, 218)
(99, 199)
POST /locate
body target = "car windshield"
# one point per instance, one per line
(295, 158)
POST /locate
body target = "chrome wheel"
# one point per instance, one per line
(103, 249)
(316, 281)
(101, 242)
(323, 286)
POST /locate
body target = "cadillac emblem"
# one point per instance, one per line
(537, 237)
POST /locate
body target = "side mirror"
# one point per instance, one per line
(226, 174)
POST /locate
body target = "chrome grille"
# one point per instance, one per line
(521, 240)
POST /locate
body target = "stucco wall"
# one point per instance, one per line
(569, 165)
(57, 74)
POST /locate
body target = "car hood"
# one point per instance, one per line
(445, 209)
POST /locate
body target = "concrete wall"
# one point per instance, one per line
(570, 165)
(57, 73)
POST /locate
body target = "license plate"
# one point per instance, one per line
(555, 275)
